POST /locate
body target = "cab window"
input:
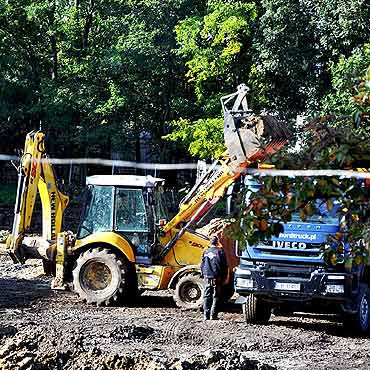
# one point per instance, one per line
(98, 211)
(130, 211)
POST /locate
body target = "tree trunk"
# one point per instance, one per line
(53, 42)
(88, 25)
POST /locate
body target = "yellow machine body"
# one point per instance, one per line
(176, 248)
(110, 239)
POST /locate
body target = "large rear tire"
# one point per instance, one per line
(100, 277)
(189, 292)
(359, 322)
(256, 311)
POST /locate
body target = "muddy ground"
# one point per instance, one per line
(45, 329)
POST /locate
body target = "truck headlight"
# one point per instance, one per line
(244, 283)
(334, 289)
(242, 272)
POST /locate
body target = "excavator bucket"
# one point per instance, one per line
(249, 137)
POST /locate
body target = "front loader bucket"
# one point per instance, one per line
(249, 137)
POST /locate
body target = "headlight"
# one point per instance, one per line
(244, 283)
(242, 272)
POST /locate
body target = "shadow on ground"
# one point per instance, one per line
(328, 324)
(151, 301)
(20, 292)
(166, 301)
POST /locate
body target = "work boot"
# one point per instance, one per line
(214, 318)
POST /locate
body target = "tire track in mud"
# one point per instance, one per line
(193, 333)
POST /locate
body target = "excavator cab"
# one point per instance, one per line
(123, 205)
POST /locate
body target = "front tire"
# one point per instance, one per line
(256, 311)
(189, 292)
(360, 321)
(100, 277)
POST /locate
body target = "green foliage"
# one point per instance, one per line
(297, 43)
(215, 45)
(94, 73)
(362, 102)
(286, 55)
(203, 137)
(346, 75)
(286, 51)
(8, 193)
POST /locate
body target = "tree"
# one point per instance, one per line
(297, 43)
(348, 79)
(95, 74)
(204, 137)
(215, 45)
(333, 143)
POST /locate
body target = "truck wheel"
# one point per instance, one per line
(360, 321)
(256, 311)
(100, 277)
(189, 292)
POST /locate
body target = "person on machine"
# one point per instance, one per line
(214, 271)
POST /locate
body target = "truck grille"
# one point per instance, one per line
(299, 242)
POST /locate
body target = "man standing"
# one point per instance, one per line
(214, 272)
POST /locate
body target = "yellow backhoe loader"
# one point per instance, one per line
(125, 241)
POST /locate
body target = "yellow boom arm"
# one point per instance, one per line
(243, 132)
(35, 174)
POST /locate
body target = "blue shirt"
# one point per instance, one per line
(214, 264)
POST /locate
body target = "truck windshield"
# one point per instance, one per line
(98, 211)
(322, 214)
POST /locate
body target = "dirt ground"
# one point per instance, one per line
(45, 329)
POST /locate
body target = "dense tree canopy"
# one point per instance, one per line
(101, 72)
(297, 43)
(92, 72)
(298, 57)
(97, 75)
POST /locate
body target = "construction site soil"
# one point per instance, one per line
(45, 329)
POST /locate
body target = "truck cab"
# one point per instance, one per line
(289, 273)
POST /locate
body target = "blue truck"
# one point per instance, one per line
(288, 273)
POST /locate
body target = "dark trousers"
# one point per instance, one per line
(211, 298)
